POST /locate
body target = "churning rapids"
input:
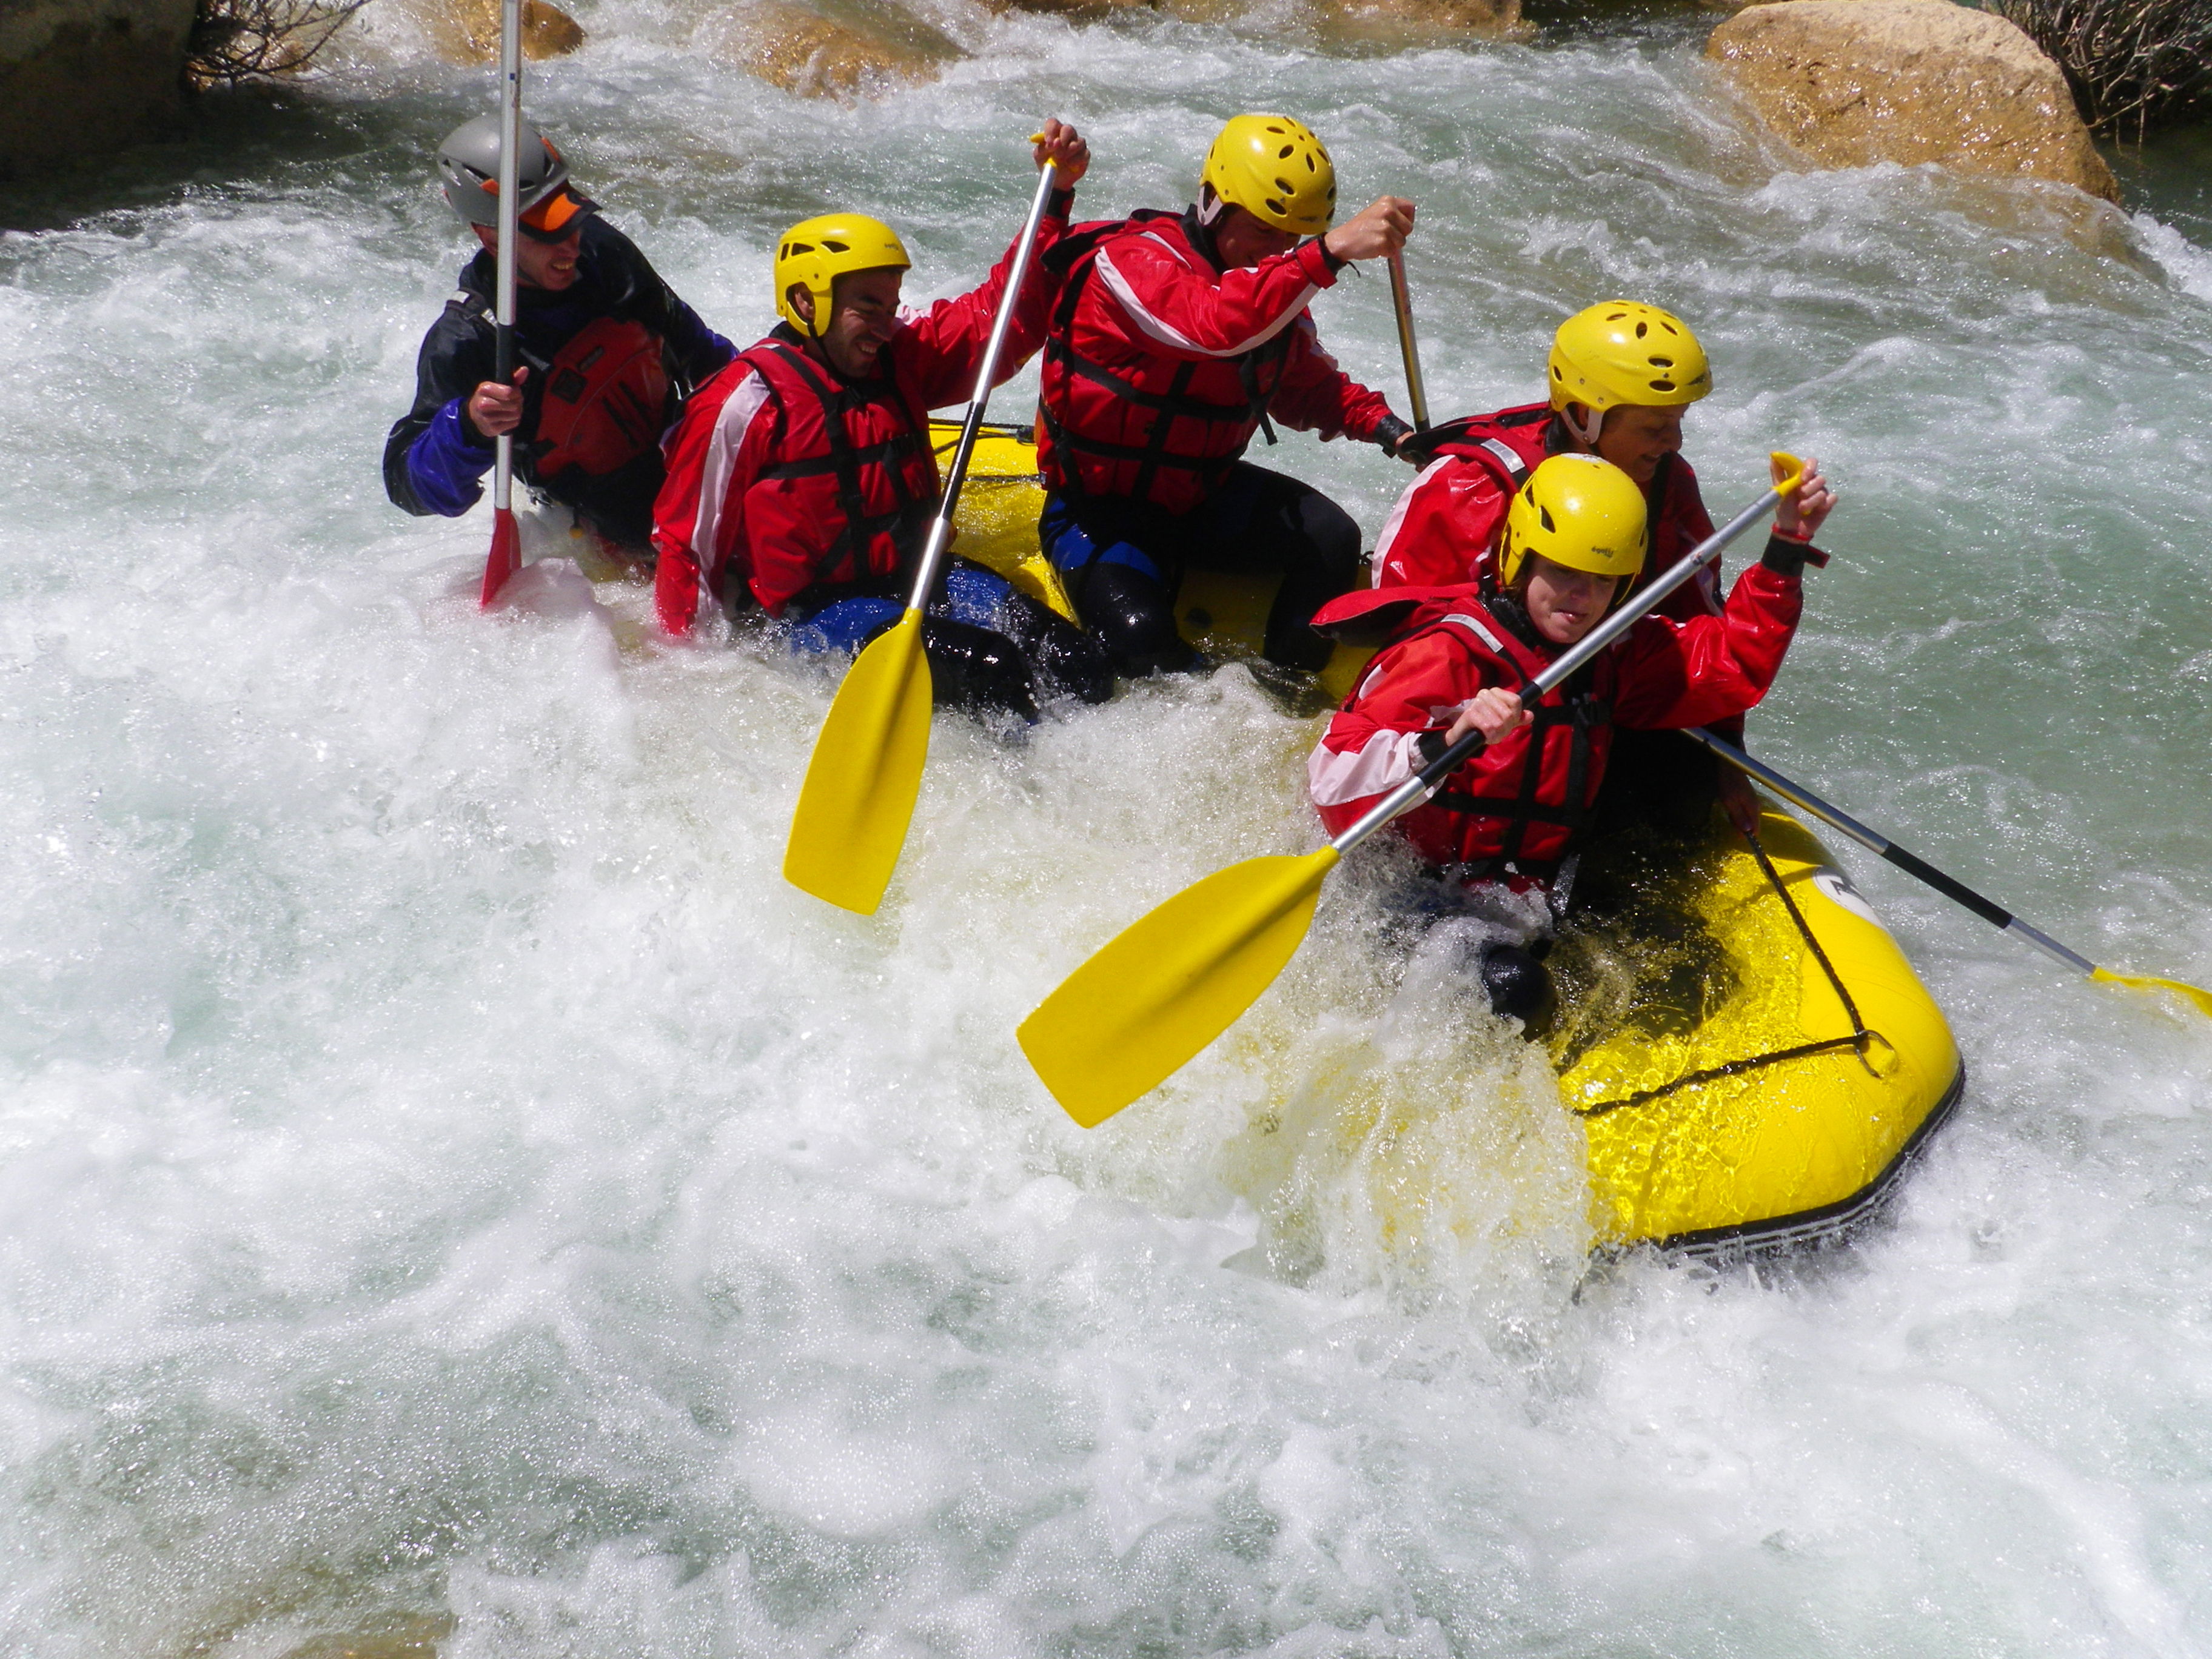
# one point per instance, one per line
(454, 1192)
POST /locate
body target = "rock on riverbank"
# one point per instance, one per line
(1851, 82)
(79, 77)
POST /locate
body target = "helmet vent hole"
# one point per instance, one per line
(1643, 329)
(1285, 187)
(1283, 153)
(1662, 362)
(1544, 518)
(1276, 207)
(837, 247)
(1663, 385)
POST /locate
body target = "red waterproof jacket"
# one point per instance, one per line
(1447, 525)
(783, 475)
(1161, 366)
(1522, 802)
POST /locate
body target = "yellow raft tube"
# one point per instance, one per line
(1753, 1060)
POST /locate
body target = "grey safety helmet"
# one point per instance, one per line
(468, 161)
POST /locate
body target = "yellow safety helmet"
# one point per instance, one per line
(1577, 511)
(815, 252)
(1622, 352)
(1276, 170)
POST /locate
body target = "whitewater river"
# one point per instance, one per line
(451, 1190)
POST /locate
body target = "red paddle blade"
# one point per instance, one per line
(505, 557)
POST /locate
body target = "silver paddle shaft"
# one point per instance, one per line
(510, 186)
(1415, 789)
(1401, 301)
(941, 527)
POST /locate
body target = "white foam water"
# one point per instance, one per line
(455, 1192)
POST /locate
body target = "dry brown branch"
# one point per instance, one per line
(2134, 64)
(235, 41)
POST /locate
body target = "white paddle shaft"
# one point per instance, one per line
(941, 527)
(510, 187)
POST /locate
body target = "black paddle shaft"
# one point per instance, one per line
(1919, 868)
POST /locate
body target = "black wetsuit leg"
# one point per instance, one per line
(1122, 565)
(1660, 780)
(976, 668)
(1518, 984)
(1133, 616)
(1066, 661)
(1261, 522)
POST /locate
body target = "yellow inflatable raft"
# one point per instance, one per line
(1752, 1059)
(1223, 615)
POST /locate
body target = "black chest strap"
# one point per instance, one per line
(1151, 456)
(1579, 710)
(844, 460)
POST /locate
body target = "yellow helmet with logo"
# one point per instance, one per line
(1577, 511)
(1277, 170)
(815, 252)
(1622, 352)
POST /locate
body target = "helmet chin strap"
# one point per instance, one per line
(816, 322)
(1211, 205)
(1587, 435)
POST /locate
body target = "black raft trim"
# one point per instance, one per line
(1807, 1228)
(1829, 1225)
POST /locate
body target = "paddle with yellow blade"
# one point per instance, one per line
(1157, 994)
(1994, 915)
(860, 786)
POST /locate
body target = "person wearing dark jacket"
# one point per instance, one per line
(608, 353)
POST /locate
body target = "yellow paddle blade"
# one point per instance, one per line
(2196, 994)
(866, 770)
(1163, 988)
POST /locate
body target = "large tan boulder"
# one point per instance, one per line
(1851, 82)
(1077, 9)
(863, 46)
(467, 31)
(79, 78)
(1420, 21)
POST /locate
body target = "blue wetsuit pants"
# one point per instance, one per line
(991, 647)
(1123, 562)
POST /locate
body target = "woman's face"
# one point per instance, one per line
(1563, 602)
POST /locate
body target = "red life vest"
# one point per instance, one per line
(1145, 426)
(605, 400)
(1523, 802)
(857, 464)
(1509, 445)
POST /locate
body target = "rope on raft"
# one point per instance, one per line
(1857, 1043)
